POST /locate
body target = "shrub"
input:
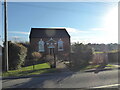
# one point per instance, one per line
(82, 55)
(50, 60)
(113, 57)
(100, 58)
(36, 56)
(118, 56)
(3, 61)
(16, 55)
(29, 58)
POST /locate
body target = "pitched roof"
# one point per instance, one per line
(48, 33)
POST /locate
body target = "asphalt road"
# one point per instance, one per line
(104, 79)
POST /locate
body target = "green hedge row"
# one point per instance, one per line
(16, 56)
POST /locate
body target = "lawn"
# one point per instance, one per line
(25, 71)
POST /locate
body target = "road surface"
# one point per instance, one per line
(104, 79)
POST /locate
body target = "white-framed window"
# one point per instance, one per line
(41, 46)
(60, 45)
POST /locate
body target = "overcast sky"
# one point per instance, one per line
(86, 22)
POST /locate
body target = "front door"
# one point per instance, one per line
(51, 49)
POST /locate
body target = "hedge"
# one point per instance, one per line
(81, 56)
(16, 55)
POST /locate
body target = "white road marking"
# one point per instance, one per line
(107, 86)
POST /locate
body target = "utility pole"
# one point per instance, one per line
(5, 36)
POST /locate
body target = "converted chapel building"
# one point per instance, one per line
(53, 41)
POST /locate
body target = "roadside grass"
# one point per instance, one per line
(90, 66)
(95, 66)
(110, 66)
(26, 71)
(112, 51)
(97, 52)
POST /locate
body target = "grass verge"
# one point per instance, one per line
(95, 66)
(26, 71)
(76, 69)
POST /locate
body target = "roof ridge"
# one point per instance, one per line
(42, 32)
(48, 28)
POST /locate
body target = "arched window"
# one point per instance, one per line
(41, 46)
(60, 45)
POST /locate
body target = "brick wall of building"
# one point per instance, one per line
(60, 54)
